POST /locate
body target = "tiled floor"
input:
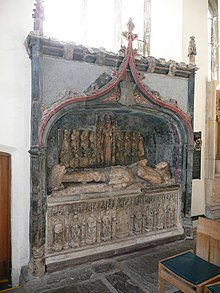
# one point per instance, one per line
(130, 273)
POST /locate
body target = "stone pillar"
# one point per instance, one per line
(189, 167)
(212, 177)
(187, 192)
(37, 195)
(37, 212)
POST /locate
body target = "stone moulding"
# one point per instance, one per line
(70, 51)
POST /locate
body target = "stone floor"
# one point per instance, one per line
(131, 273)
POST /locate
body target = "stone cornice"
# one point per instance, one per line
(72, 52)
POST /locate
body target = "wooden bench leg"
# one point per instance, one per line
(161, 287)
(199, 289)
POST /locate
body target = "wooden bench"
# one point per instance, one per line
(191, 272)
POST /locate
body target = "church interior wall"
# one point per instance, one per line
(198, 28)
(15, 91)
(166, 29)
(177, 18)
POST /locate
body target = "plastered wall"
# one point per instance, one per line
(195, 24)
(173, 22)
(15, 93)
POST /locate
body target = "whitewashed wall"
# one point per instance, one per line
(195, 23)
(166, 29)
(15, 94)
(173, 22)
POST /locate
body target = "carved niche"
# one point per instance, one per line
(102, 146)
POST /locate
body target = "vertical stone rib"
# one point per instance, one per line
(215, 49)
(147, 27)
(117, 24)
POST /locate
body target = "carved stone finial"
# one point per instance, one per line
(129, 35)
(172, 68)
(151, 64)
(38, 16)
(192, 50)
(130, 25)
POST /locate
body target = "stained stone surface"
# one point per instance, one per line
(122, 283)
(58, 75)
(104, 267)
(178, 90)
(96, 286)
(135, 272)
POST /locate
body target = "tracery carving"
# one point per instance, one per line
(140, 100)
(113, 97)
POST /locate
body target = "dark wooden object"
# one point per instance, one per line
(207, 248)
(5, 246)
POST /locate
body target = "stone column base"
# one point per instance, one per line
(188, 228)
(213, 211)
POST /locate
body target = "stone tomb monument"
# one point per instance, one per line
(111, 151)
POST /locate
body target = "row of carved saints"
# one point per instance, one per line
(104, 146)
(151, 219)
(77, 230)
(72, 229)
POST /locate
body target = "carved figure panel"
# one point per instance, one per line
(101, 145)
(72, 225)
(137, 220)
